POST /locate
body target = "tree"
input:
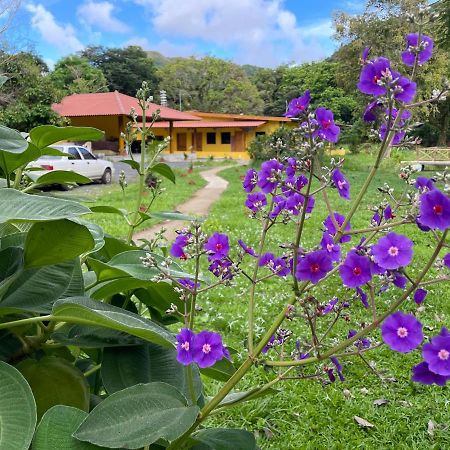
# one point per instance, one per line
(74, 75)
(209, 84)
(124, 68)
(442, 7)
(268, 81)
(27, 95)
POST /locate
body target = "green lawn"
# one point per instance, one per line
(186, 184)
(306, 414)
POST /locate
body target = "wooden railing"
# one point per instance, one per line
(433, 154)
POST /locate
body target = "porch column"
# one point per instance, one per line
(171, 136)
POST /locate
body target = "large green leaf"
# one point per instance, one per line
(85, 311)
(93, 337)
(17, 410)
(126, 366)
(171, 215)
(46, 135)
(112, 247)
(56, 241)
(109, 288)
(11, 264)
(11, 141)
(164, 170)
(233, 398)
(13, 240)
(222, 439)
(55, 381)
(17, 206)
(106, 209)
(96, 231)
(222, 370)
(36, 289)
(56, 427)
(138, 416)
(104, 271)
(59, 177)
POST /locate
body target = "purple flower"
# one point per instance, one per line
(393, 251)
(423, 374)
(399, 280)
(447, 260)
(404, 88)
(402, 332)
(355, 271)
(189, 284)
(369, 114)
(372, 74)
(328, 129)
(376, 219)
(207, 349)
(338, 366)
(435, 210)
(331, 229)
(424, 184)
(298, 105)
(419, 295)
(265, 259)
(246, 248)
(365, 54)
(217, 246)
(398, 136)
(437, 353)
(279, 204)
(295, 202)
(291, 167)
(280, 267)
(181, 241)
(362, 296)
(185, 339)
(425, 49)
(313, 266)
(341, 183)
(330, 306)
(250, 180)
(269, 344)
(221, 269)
(360, 343)
(256, 201)
(269, 175)
(334, 250)
(388, 214)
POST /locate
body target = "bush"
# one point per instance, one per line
(282, 142)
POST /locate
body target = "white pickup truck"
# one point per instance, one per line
(81, 161)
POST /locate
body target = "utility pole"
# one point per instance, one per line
(163, 97)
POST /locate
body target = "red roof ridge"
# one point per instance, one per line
(119, 102)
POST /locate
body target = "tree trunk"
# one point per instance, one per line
(444, 129)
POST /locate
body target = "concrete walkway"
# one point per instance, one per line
(199, 205)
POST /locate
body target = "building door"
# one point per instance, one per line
(198, 141)
(238, 141)
(181, 142)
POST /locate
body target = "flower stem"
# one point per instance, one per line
(17, 323)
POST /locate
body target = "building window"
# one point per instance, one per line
(225, 138)
(211, 138)
(260, 133)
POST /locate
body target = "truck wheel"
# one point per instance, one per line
(107, 176)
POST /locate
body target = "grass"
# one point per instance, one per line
(309, 414)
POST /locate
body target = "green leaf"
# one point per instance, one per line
(46, 135)
(160, 296)
(164, 170)
(57, 241)
(17, 410)
(109, 288)
(11, 141)
(112, 247)
(55, 381)
(222, 439)
(61, 177)
(234, 398)
(96, 232)
(105, 209)
(124, 367)
(138, 416)
(13, 240)
(168, 215)
(85, 311)
(17, 206)
(104, 271)
(3, 80)
(93, 337)
(56, 427)
(132, 163)
(11, 264)
(36, 289)
(222, 370)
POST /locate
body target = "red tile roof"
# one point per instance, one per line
(210, 124)
(213, 115)
(111, 104)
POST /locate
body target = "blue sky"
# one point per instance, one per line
(260, 32)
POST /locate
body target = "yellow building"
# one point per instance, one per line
(216, 134)
(205, 133)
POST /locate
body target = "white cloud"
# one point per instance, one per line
(262, 32)
(62, 37)
(99, 15)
